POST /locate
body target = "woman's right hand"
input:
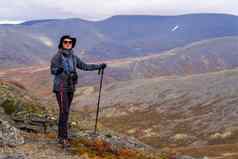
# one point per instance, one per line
(103, 66)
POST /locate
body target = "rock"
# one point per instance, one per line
(116, 142)
(185, 157)
(17, 156)
(33, 122)
(9, 135)
(221, 135)
(189, 157)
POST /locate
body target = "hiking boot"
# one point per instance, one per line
(70, 139)
(60, 140)
(65, 143)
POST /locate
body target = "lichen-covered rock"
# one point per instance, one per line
(16, 156)
(189, 157)
(23, 110)
(33, 122)
(114, 142)
(9, 135)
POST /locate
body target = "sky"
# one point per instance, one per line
(15, 11)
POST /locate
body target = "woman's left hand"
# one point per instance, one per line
(103, 66)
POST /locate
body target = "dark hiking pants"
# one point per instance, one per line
(64, 101)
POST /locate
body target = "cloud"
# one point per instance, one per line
(99, 9)
(10, 22)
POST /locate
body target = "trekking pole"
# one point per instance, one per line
(61, 97)
(101, 71)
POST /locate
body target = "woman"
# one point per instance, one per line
(63, 66)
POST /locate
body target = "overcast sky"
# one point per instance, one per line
(15, 10)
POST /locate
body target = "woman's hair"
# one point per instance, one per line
(60, 46)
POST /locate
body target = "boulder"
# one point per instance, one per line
(16, 156)
(9, 135)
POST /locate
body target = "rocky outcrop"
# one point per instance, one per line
(23, 110)
(9, 135)
(115, 142)
(189, 157)
(16, 156)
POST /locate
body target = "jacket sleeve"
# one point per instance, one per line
(55, 66)
(86, 67)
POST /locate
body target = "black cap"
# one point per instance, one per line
(60, 46)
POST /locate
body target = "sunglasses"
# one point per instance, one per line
(67, 42)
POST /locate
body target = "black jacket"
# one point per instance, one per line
(61, 79)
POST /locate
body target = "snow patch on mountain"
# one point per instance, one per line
(175, 28)
(46, 41)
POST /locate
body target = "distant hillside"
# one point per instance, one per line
(199, 57)
(192, 110)
(22, 48)
(149, 34)
(116, 37)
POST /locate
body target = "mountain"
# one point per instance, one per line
(148, 34)
(193, 110)
(198, 57)
(116, 37)
(22, 48)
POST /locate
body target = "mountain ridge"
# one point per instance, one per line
(121, 16)
(118, 36)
